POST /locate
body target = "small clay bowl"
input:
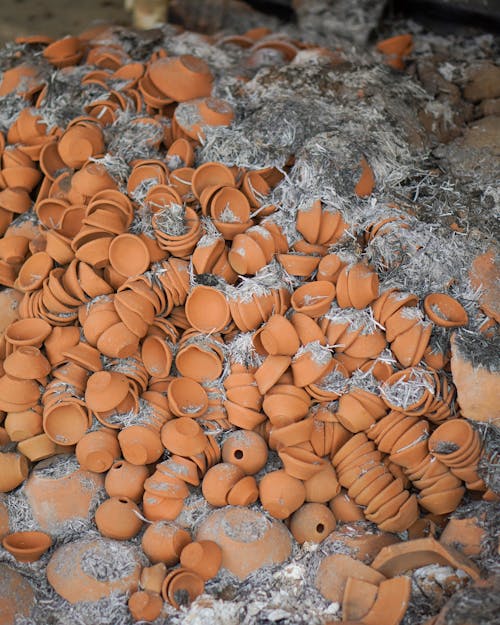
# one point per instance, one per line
(445, 311)
(27, 546)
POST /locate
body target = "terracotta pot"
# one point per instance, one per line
(313, 299)
(280, 494)
(164, 542)
(118, 518)
(129, 255)
(126, 480)
(183, 436)
(218, 481)
(359, 596)
(105, 390)
(96, 451)
(145, 605)
(24, 424)
(445, 311)
(184, 584)
(203, 558)
(207, 309)
(246, 450)
(243, 549)
(187, 397)
(16, 594)
(65, 423)
(279, 337)
(27, 546)
(210, 174)
(14, 470)
(181, 78)
(313, 522)
(270, 372)
(310, 364)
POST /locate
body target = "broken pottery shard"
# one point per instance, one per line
(477, 385)
(334, 571)
(485, 275)
(397, 559)
(16, 596)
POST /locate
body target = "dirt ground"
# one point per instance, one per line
(57, 17)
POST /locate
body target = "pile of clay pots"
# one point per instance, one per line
(119, 347)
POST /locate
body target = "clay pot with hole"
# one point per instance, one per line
(118, 518)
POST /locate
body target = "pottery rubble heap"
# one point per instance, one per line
(171, 325)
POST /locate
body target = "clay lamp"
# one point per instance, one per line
(445, 311)
(187, 397)
(183, 436)
(24, 424)
(357, 286)
(255, 187)
(180, 154)
(118, 518)
(118, 341)
(27, 546)
(38, 447)
(181, 78)
(79, 143)
(27, 362)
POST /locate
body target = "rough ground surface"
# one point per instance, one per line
(431, 136)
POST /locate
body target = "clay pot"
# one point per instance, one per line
(27, 546)
(129, 255)
(203, 558)
(314, 298)
(246, 450)
(164, 542)
(65, 423)
(96, 451)
(68, 570)
(218, 481)
(345, 509)
(25, 424)
(207, 309)
(311, 364)
(105, 390)
(145, 605)
(270, 371)
(141, 444)
(157, 356)
(313, 522)
(38, 447)
(211, 174)
(279, 337)
(14, 470)
(181, 587)
(281, 494)
(445, 311)
(181, 78)
(27, 332)
(126, 480)
(187, 397)
(118, 518)
(247, 538)
(357, 286)
(183, 436)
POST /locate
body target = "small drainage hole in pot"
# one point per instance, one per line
(320, 528)
(122, 500)
(238, 454)
(118, 465)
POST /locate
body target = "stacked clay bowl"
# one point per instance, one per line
(154, 308)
